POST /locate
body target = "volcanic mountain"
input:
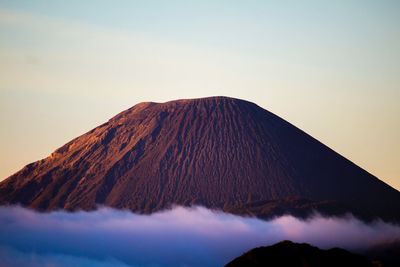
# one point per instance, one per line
(218, 152)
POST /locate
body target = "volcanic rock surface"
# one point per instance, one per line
(219, 152)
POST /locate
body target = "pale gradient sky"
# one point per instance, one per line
(332, 68)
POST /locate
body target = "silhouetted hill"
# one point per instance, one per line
(218, 152)
(287, 253)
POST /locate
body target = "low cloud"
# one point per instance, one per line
(180, 237)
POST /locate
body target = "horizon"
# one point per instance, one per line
(330, 69)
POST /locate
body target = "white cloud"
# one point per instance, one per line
(177, 237)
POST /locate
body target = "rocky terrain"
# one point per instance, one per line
(218, 152)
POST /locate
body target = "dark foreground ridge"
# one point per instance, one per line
(218, 152)
(287, 253)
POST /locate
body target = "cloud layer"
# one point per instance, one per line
(177, 237)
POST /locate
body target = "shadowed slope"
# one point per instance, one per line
(287, 253)
(218, 152)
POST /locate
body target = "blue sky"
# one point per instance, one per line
(329, 67)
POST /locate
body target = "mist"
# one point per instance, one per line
(178, 237)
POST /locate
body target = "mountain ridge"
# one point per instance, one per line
(287, 253)
(220, 152)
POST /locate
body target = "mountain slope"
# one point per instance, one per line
(218, 152)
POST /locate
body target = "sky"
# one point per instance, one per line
(332, 68)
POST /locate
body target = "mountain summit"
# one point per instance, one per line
(218, 152)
